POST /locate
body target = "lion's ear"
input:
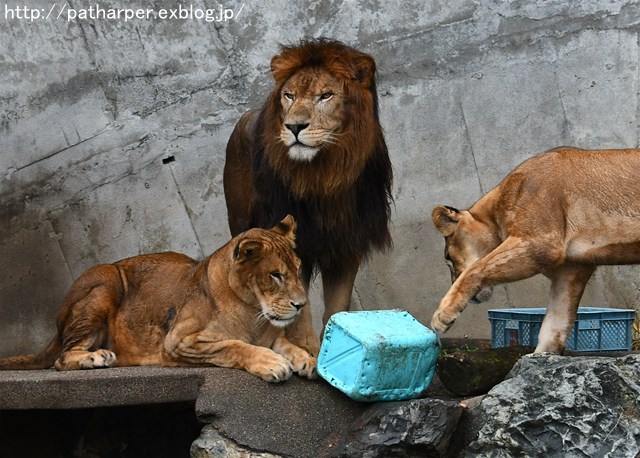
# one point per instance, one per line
(281, 67)
(286, 227)
(445, 219)
(247, 249)
(365, 70)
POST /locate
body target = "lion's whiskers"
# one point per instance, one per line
(260, 319)
(332, 139)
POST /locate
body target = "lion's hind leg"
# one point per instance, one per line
(80, 359)
(84, 319)
(567, 285)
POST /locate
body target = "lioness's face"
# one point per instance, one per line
(466, 241)
(266, 271)
(278, 287)
(313, 112)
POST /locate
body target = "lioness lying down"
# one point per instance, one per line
(561, 213)
(166, 309)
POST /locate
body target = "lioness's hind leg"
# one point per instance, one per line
(567, 285)
(83, 320)
(79, 359)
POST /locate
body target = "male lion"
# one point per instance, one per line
(561, 213)
(229, 310)
(315, 150)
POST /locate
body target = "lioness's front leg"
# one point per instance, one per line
(201, 350)
(514, 259)
(302, 362)
(301, 332)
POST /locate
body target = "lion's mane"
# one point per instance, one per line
(341, 198)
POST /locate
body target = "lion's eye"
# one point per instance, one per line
(289, 96)
(277, 276)
(326, 95)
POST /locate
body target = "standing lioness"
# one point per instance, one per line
(229, 310)
(561, 213)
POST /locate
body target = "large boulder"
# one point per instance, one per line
(418, 428)
(563, 406)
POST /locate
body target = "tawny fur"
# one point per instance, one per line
(561, 213)
(167, 309)
(316, 150)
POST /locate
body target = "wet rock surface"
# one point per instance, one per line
(563, 406)
(417, 428)
(470, 373)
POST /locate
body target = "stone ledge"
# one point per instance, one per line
(310, 414)
(298, 418)
(119, 386)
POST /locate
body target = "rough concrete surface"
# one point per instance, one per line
(112, 132)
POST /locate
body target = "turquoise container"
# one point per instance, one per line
(381, 355)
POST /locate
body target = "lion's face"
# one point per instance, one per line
(313, 112)
(466, 241)
(320, 127)
(265, 272)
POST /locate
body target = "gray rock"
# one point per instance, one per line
(211, 444)
(556, 406)
(418, 428)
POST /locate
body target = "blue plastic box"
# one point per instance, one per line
(381, 355)
(595, 329)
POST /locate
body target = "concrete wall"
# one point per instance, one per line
(93, 110)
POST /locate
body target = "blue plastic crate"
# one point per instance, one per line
(378, 355)
(595, 329)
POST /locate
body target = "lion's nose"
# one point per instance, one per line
(297, 305)
(296, 128)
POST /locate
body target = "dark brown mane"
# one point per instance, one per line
(341, 199)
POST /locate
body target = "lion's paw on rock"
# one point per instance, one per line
(271, 368)
(98, 359)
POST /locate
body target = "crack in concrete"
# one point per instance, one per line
(188, 212)
(473, 155)
(566, 130)
(55, 153)
(181, 98)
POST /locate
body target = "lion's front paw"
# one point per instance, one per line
(305, 365)
(270, 367)
(98, 359)
(308, 342)
(441, 321)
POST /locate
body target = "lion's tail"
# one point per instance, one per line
(41, 360)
